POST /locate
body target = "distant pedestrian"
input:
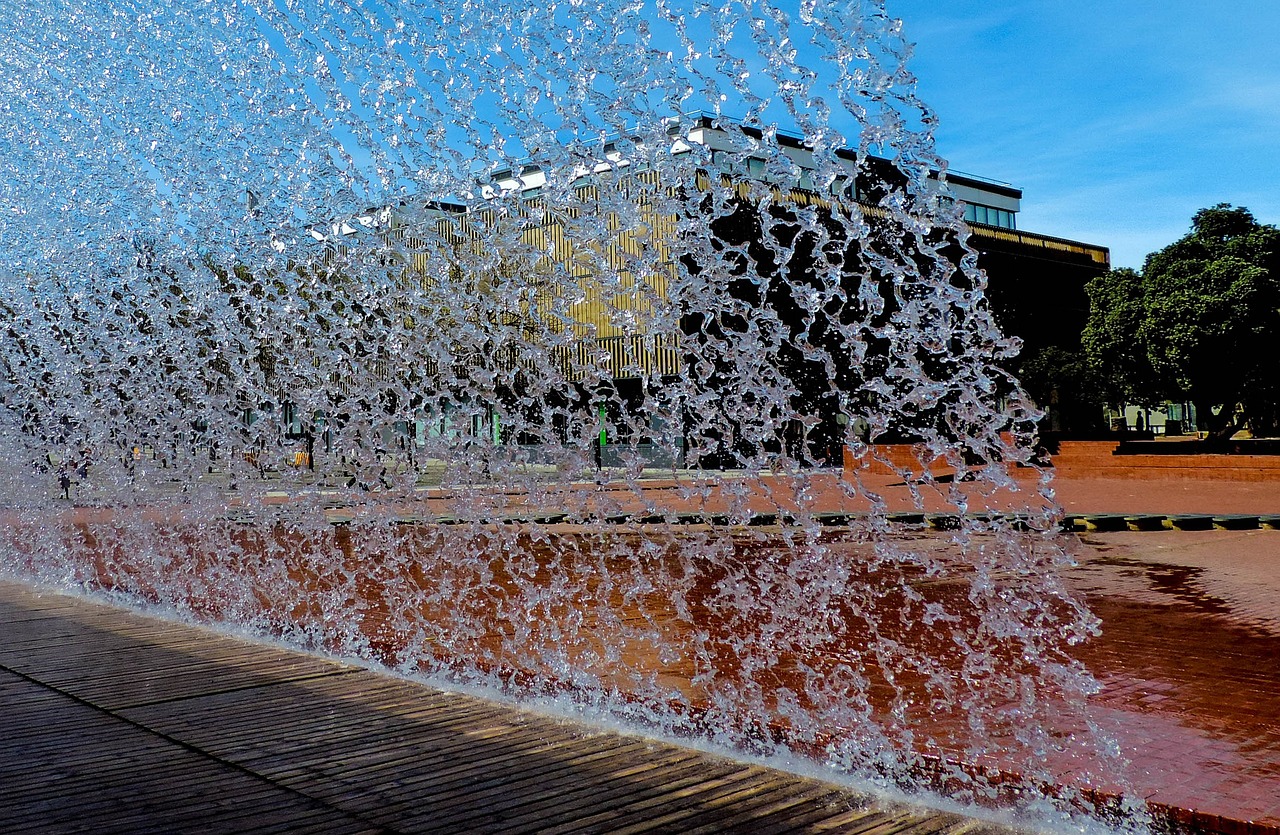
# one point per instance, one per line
(64, 479)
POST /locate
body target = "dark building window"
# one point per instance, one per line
(974, 213)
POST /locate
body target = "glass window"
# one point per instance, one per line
(970, 212)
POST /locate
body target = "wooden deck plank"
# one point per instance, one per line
(90, 766)
(465, 761)
(143, 674)
(258, 715)
(558, 793)
(750, 802)
(372, 765)
(525, 781)
(671, 804)
(131, 664)
(267, 735)
(641, 810)
(436, 790)
(904, 823)
(155, 725)
(639, 794)
(784, 815)
(132, 685)
(378, 695)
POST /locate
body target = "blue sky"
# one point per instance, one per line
(1118, 119)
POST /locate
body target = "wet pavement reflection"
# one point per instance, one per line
(1189, 659)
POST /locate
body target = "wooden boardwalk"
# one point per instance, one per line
(111, 721)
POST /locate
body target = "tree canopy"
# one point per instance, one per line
(1200, 323)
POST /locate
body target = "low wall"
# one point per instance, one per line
(892, 460)
(1098, 459)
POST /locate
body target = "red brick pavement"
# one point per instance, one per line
(1174, 495)
(1189, 659)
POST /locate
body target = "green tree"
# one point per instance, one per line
(1063, 381)
(1201, 322)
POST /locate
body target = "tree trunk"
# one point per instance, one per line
(1220, 427)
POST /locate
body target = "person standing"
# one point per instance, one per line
(64, 478)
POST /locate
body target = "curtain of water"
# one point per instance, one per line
(469, 336)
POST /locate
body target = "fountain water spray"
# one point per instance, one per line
(515, 344)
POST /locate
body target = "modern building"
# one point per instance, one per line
(1035, 281)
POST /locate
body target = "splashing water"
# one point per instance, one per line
(477, 339)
